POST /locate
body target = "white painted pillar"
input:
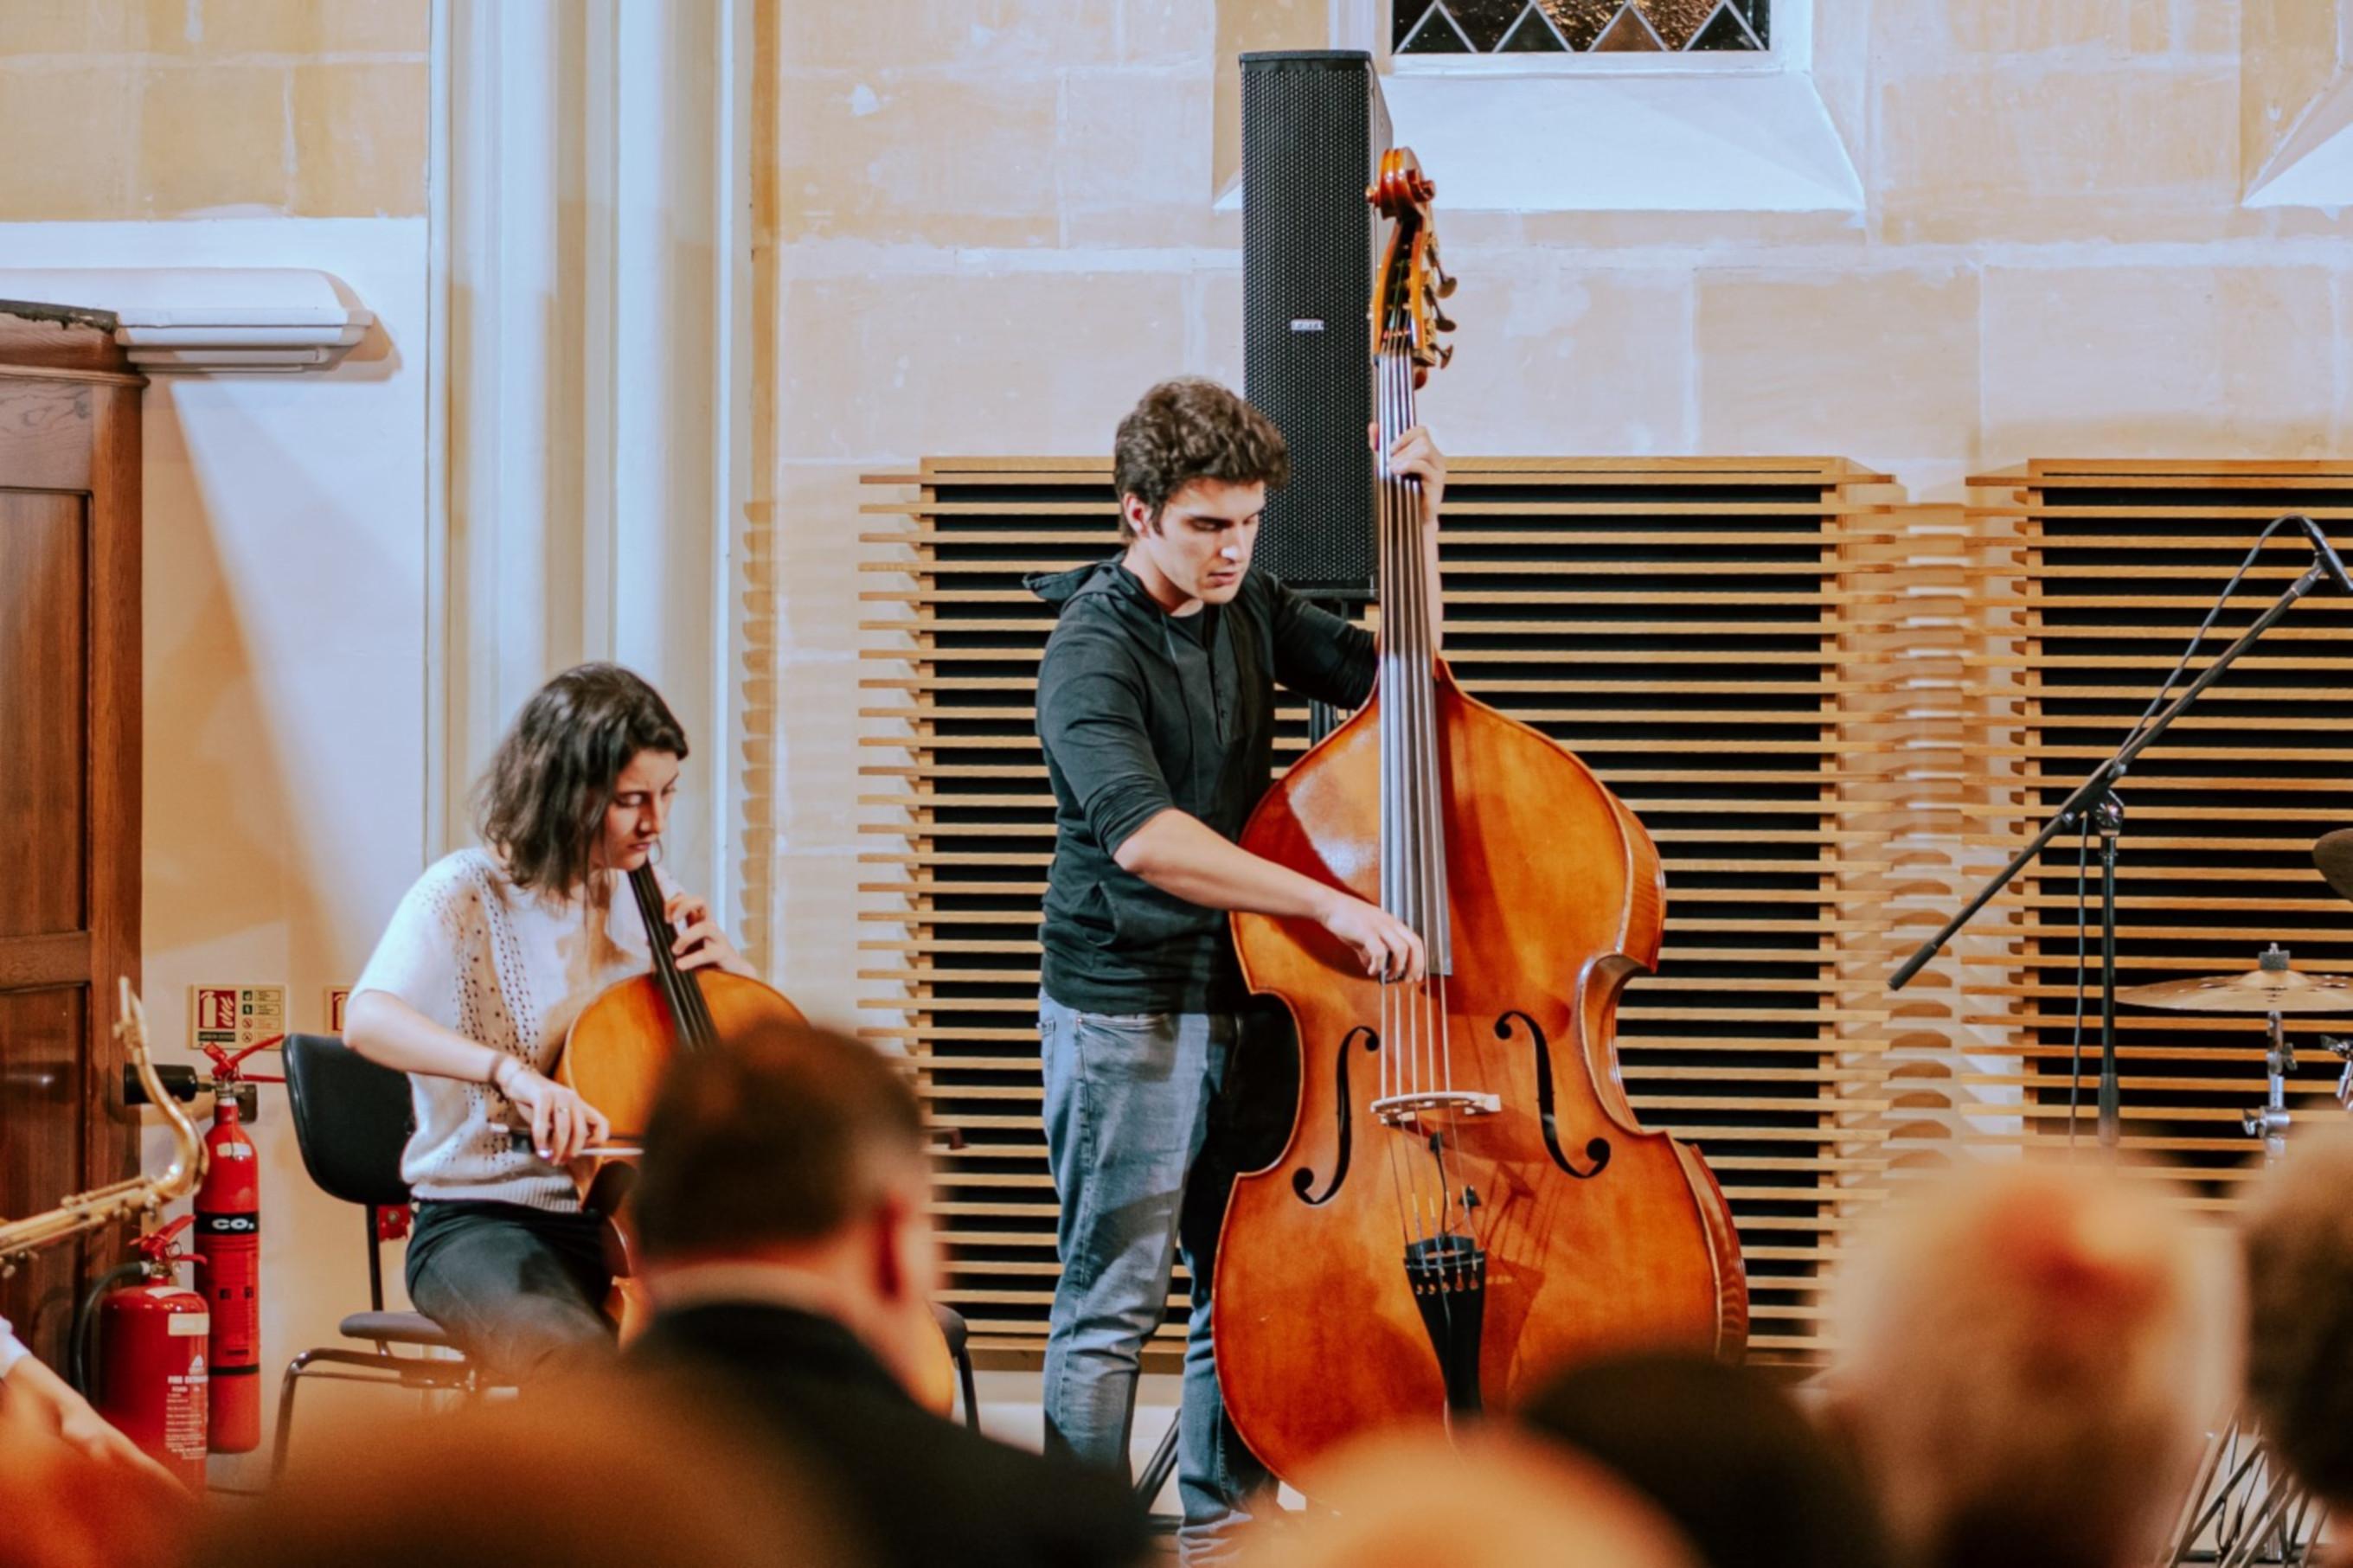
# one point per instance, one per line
(592, 203)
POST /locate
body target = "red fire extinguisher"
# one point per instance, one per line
(151, 1383)
(228, 1247)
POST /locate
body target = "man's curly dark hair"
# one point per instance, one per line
(1191, 429)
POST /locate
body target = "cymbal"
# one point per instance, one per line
(2334, 855)
(2272, 988)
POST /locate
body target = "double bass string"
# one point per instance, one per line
(1418, 746)
(1400, 1056)
(1411, 760)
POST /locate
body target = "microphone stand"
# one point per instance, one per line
(2095, 797)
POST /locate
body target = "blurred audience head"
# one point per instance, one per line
(2299, 1250)
(801, 1152)
(604, 1473)
(2027, 1355)
(1722, 1451)
(1495, 1499)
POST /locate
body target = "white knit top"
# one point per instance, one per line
(510, 970)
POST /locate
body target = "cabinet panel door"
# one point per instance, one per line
(44, 1084)
(44, 713)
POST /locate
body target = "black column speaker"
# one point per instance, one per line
(1314, 129)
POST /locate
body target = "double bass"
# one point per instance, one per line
(614, 1058)
(1466, 1202)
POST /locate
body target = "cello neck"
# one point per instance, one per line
(690, 1014)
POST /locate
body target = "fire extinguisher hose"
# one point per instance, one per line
(79, 1372)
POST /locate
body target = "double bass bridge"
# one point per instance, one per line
(1406, 1110)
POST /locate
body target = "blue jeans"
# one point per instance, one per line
(521, 1290)
(1145, 1146)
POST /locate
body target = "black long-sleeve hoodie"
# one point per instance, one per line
(1140, 711)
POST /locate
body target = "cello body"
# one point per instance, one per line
(1467, 1202)
(615, 1057)
(620, 1044)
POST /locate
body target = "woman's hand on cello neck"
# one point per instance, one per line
(700, 943)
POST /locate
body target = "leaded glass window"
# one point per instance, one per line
(1579, 26)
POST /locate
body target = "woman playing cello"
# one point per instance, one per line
(490, 956)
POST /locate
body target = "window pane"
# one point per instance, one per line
(1429, 32)
(1486, 21)
(1598, 26)
(1677, 21)
(1581, 21)
(1532, 36)
(1629, 34)
(1727, 30)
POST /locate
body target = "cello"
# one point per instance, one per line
(1466, 1201)
(614, 1058)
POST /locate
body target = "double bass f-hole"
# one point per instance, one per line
(1596, 1149)
(1303, 1180)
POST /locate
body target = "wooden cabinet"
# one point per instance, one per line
(68, 782)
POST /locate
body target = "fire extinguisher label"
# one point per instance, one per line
(183, 1414)
(248, 1224)
(184, 1324)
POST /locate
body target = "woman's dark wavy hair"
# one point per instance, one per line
(542, 802)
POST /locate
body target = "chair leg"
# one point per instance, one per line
(286, 1387)
(381, 1367)
(971, 1394)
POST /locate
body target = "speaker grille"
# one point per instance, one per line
(1314, 129)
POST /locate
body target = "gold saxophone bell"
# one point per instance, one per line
(136, 1196)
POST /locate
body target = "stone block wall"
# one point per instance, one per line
(164, 108)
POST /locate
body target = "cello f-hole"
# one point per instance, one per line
(1597, 1150)
(1303, 1180)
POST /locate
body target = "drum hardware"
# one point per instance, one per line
(2270, 1123)
(2244, 1510)
(2342, 1049)
(2273, 988)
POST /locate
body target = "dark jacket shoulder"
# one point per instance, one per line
(924, 1489)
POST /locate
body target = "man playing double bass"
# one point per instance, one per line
(1156, 705)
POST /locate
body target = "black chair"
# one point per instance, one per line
(350, 1122)
(959, 1336)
